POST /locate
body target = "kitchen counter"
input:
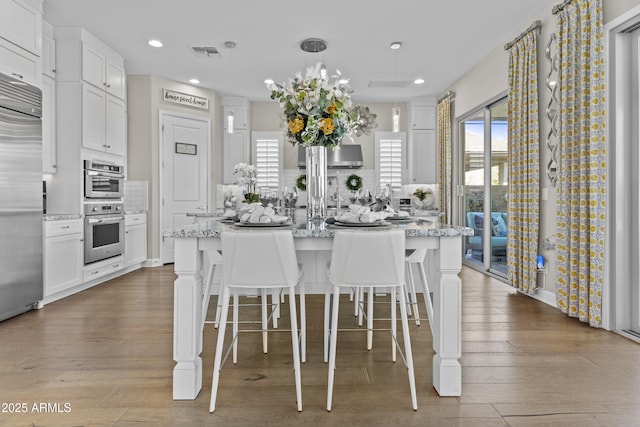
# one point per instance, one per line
(313, 243)
(60, 217)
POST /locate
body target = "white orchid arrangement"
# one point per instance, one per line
(319, 111)
(246, 174)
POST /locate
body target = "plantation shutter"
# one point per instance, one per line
(267, 155)
(390, 159)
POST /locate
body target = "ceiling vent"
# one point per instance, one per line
(205, 51)
(389, 83)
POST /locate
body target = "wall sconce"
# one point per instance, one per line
(395, 117)
(230, 125)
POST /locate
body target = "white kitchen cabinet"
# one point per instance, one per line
(424, 156)
(135, 239)
(103, 121)
(102, 268)
(48, 50)
(49, 153)
(91, 80)
(101, 71)
(236, 148)
(240, 117)
(63, 255)
(20, 64)
(21, 24)
(423, 117)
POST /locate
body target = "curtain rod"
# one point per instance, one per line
(535, 26)
(559, 7)
(450, 94)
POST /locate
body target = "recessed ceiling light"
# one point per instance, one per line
(155, 43)
(194, 81)
(419, 81)
(269, 81)
(396, 45)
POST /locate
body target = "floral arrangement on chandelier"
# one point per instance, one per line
(319, 111)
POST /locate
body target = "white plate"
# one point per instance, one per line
(361, 224)
(262, 224)
(399, 218)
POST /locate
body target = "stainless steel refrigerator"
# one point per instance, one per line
(20, 197)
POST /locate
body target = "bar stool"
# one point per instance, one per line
(417, 257)
(367, 260)
(273, 265)
(214, 260)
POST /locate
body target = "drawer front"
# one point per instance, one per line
(135, 219)
(91, 273)
(20, 64)
(60, 228)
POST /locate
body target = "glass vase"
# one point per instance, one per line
(316, 181)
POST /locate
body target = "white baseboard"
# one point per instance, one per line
(545, 296)
(154, 262)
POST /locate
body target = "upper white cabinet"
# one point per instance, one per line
(21, 40)
(21, 24)
(48, 50)
(422, 140)
(49, 152)
(423, 117)
(101, 71)
(94, 78)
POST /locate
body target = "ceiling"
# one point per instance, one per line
(441, 40)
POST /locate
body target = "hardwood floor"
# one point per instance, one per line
(104, 358)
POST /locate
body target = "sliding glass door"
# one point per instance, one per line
(484, 142)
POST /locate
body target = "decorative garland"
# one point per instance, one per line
(301, 182)
(353, 183)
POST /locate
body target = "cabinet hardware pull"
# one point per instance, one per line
(64, 227)
(20, 76)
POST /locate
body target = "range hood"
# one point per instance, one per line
(348, 156)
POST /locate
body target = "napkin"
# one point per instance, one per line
(256, 213)
(363, 214)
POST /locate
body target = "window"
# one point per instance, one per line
(267, 158)
(390, 155)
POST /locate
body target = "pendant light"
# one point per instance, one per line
(395, 111)
(230, 125)
(230, 45)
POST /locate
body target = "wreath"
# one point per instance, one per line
(301, 183)
(354, 182)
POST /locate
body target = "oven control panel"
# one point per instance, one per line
(103, 208)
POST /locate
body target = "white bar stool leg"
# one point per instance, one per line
(219, 347)
(413, 299)
(427, 295)
(332, 346)
(327, 322)
(394, 322)
(265, 335)
(235, 335)
(407, 349)
(369, 318)
(303, 323)
(294, 345)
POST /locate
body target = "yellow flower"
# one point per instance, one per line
(331, 109)
(326, 126)
(296, 125)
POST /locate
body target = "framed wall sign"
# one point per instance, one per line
(184, 148)
(185, 99)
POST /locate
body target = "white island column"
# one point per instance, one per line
(187, 320)
(447, 325)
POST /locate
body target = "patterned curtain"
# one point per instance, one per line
(581, 161)
(444, 157)
(524, 164)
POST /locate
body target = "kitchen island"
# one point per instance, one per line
(443, 242)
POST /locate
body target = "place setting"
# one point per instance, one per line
(359, 217)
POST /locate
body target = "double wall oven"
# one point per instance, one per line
(103, 210)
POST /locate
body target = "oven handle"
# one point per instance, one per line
(105, 220)
(105, 174)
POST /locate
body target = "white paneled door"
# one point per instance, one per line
(186, 143)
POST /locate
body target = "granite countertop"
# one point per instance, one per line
(60, 217)
(418, 228)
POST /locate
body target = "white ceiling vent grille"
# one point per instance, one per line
(389, 83)
(205, 51)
